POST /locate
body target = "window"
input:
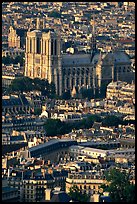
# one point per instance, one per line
(45, 47)
(38, 46)
(51, 47)
(38, 71)
(30, 45)
(55, 47)
(37, 61)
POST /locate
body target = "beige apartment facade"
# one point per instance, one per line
(86, 182)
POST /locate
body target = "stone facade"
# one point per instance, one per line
(43, 57)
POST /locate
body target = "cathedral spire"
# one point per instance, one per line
(93, 38)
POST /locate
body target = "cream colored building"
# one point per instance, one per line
(86, 182)
(16, 37)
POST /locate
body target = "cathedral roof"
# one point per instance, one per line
(95, 58)
(76, 59)
(119, 57)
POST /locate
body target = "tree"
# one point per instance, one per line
(25, 84)
(55, 14)
(21, 84)
(7, 60)
(17, 59)
(86, 93)
(119, 186)
(37, 111)
(77, 195)
(54, 127)
(66, 95)
(112, 120)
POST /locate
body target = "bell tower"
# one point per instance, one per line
(43, 57)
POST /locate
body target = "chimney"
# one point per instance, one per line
(57, 188)
(32, 174)
(96, 198)
(106, 193)
(43, 171)
(47, 194)
(8, 173)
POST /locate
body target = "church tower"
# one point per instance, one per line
(93, 39)
(43, 57)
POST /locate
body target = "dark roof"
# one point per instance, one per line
(23, 99)
(16, 138)
(103, 37)
(60, 197)
(8, 189)
(60, 173)
(105, 199)
(97, 125)
(47, 30)
(13, 101)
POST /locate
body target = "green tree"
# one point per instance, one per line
(112, 120)
(37, 111)
(25, 84)
(77, 195)
(18, 59)
(53, 127)
(7, 60)
(86, 93)
(55, 14)
(66, 95)
(52, 90)
(119, 186)
(20, 85)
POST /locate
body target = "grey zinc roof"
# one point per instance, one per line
(46, 144)
(119, 56)
(51, 142)
(60, 197)
(8, 189)
(76, 59)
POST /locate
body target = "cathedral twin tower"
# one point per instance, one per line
(43, 57)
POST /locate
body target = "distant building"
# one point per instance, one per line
(16, 37)
(31, 184)
(10, 194)
(15, 104)
(86, 181)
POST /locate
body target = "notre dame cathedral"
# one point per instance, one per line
(44, 59)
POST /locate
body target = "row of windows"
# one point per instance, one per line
(38, 46)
